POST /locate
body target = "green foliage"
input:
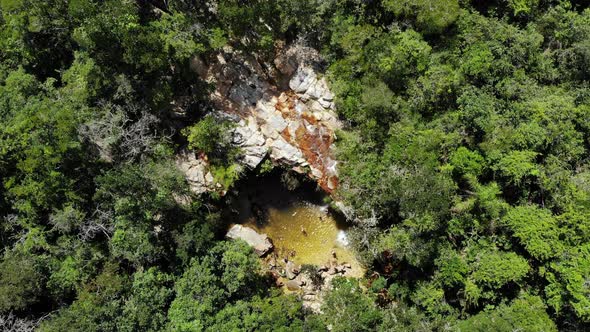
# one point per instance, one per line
(431, 16)
(21, 281)
(518, 165)
(39, 147)
(229, 272)
(536, 229)
(430, 297)
(177, 36)
(400, 179)
(526, 313)
(568, 284)
(146, 307)
(210, 136)
(407, 244)
(194, 239)
(494, 269)
(217, 38)
(400, 55)
(275, 313)
(226, 176)
(467, 162)
(346, 308)
(98, 307)
(142, 199)
(401, 318)
(240, 267)
(266, 166)
(522, 6)
(452, 268)
(463, 155)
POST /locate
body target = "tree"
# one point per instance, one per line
(520, 7)
(536, 229)
(146, 307)
(39, 145)
(141, 199)
(98, 307)
(210, 284)
(347, 308)
(210, 136)
(526, 313)
(274, 313)
(568, 284)
(467, 162)
(400, 55)
(493, 268)
(21, 281)
(431, 16)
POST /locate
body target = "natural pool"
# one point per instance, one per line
(300, 225)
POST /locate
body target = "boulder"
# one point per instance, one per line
(260, 242)
(303, 79)
(293, 285)
(290, 270)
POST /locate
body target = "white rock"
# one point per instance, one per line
(277, 123)
(328, 95)
(303, 79)
(325, 103)
(281, 150)
(316, 90)
(195, 171)
(209, 178)
(316, 106)
(251, 142)
(259, 242)
(316, 172)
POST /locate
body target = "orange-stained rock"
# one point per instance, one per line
(297, 120)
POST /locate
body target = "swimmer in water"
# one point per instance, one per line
(303, 231)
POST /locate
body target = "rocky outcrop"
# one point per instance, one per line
(196, 171)
(291, 271)
(259, 242)
(250, 141)
(309, 284)
(294, 285)
(284, 110)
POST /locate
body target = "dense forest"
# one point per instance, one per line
(464, 165)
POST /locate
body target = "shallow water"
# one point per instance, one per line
(300, 227)
(306, 235)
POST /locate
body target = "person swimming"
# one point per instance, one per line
(303, 231)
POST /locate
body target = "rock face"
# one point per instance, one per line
(285, 111)
(251, 143)
(196, 172)
(259, 242)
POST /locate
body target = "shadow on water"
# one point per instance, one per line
(255, 195)
(299, 221)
